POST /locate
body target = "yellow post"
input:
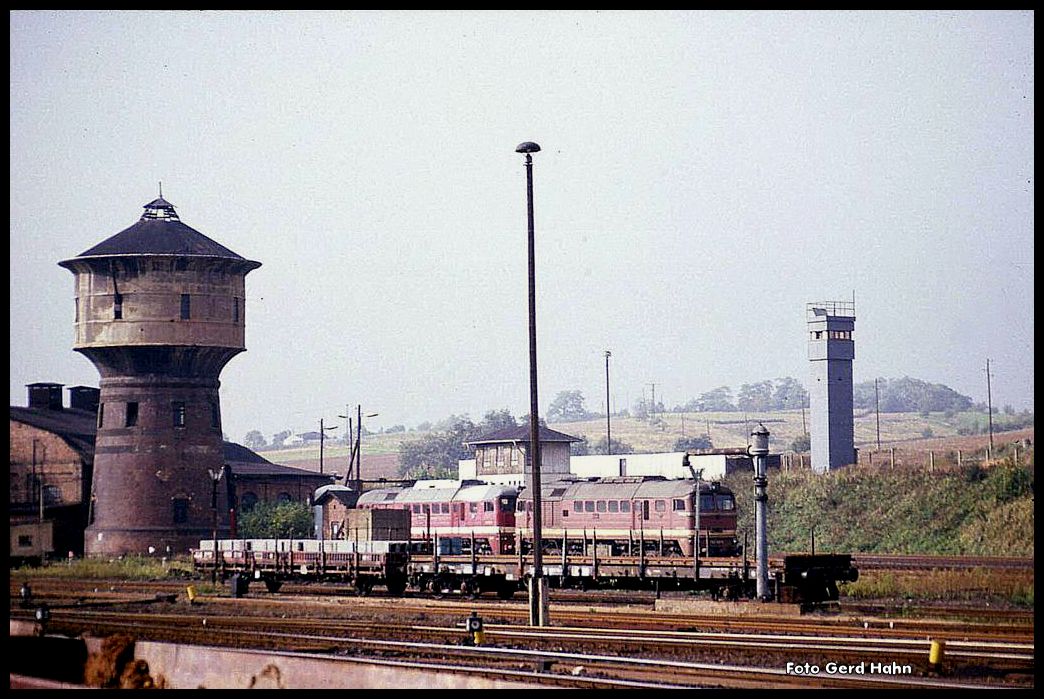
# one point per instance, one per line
(935, 654)
(191, 591)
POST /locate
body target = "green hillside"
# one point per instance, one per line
(972, 511)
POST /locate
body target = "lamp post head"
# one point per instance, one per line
(760, 444)
(527, 147)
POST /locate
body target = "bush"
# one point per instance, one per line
(284, 520)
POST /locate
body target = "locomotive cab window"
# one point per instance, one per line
(578, 505)
(487, 507)
(473, 507)
(679, 505)
(726, 503)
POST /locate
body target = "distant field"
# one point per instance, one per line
(905, 432)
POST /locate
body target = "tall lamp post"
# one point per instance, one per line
(538, 608)
(759, 449)
(322, 438)
(608, 410)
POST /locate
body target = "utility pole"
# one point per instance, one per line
(322, 438)
(652, 409)
(608, 410)
(989, 406)
(877, 402)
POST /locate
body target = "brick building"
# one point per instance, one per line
(52, 465)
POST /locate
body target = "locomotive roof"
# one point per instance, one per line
(474, 492)
(624, 488)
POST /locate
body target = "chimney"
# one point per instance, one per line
(46, 396)
(84, 398)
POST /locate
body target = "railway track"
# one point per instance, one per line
(607, 658)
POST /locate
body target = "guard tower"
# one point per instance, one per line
(159, 311)
(831, 351)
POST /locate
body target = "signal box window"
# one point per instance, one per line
(178, 413)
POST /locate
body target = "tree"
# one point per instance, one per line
(801, 444)
(581, 448)
(687, 443)
(279, 437)
(281, 520)
(718, 400)
(789, 394)
(435, 455)
(254, 440)
(497, 420)
(618, 447)
(755, 397)
(568, 406)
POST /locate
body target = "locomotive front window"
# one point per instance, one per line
(707, 503)
(625, 506)
(614, 506)
(588, 505)
(726, 503)
(660, 506)
(506, 505)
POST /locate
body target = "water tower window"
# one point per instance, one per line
(77, 309)
(101, 414)
(117, 307)
(132, 415)
(215, 416)
(186, 307)
(178, 412)
(235, 309)
(180, 506)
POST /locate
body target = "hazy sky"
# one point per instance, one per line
(703, 176)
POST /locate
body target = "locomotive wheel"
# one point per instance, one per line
(505, 591)
(273, 585)
(396, 587)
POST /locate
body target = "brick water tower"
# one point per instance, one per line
(159, 311)
(831, 351)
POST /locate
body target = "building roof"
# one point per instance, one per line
(347, 496)
(76, 427)
(521, 434)
(160, 232)
(79, 428)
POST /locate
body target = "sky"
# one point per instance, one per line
(703, 176)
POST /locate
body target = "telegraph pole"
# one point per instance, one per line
(989, 406)
(322, 438)
(877, 402)
(608, 410)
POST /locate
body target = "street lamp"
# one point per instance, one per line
(608, 410)
(214, 478)
(322, 438)
(538, 610)
(759, 449)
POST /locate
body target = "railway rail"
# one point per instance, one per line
(603, 654)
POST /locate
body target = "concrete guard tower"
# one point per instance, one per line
(831, 351)
(159, 311)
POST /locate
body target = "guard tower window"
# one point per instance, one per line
(180, 506)
(186, 307)
(178, 413)
(132, 415)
